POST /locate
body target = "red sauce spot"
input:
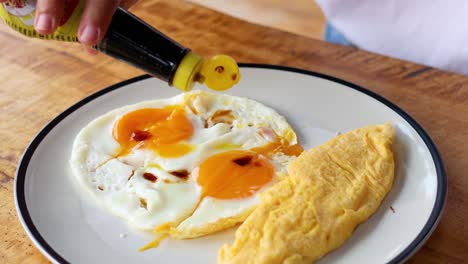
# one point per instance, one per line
(183, 174)
(131, 175)
(140, 135)
(244, 161)
(150, 177)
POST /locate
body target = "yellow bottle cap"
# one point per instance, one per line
(187, 72)
(218, 73)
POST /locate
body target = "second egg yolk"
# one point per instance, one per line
(158, 129)
(234, 174)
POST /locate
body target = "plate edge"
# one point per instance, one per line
(442, 186)
(47, 250)
(20, 177)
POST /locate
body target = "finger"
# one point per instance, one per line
(48, 13)
(126, 4)
(90, 50)
(95, 20)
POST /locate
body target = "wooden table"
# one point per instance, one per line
(40, 79)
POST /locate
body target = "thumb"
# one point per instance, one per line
(126, 4)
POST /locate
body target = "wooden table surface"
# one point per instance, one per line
(40, 79)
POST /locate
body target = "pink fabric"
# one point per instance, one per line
(430, 32)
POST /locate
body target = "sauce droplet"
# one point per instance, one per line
(183, 174)
(150, 177)
(243, 161)
(140, 135)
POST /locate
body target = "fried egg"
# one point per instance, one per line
(187, 166)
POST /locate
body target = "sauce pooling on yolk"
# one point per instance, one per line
(158, 129)
(234, 174)
(278, 146)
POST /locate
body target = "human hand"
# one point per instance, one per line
(95, 19)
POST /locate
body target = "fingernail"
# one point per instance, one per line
(89, 35)
(45, 23)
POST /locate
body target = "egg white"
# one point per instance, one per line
(118, 184)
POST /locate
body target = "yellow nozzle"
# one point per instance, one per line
(218, 73)
(187, 72)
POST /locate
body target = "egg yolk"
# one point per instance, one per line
(277, 146)
(234, 174)
(159, 129)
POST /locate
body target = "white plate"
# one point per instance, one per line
(68, 228)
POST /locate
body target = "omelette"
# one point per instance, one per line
(330, 190)
(184, 166)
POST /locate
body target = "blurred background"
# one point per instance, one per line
(302, 17)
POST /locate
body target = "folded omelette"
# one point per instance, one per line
(330, 190)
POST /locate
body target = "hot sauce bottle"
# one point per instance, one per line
(133, 41)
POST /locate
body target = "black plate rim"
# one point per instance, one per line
(44, 247)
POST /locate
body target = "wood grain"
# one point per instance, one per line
(302, 17)
(42, 78)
